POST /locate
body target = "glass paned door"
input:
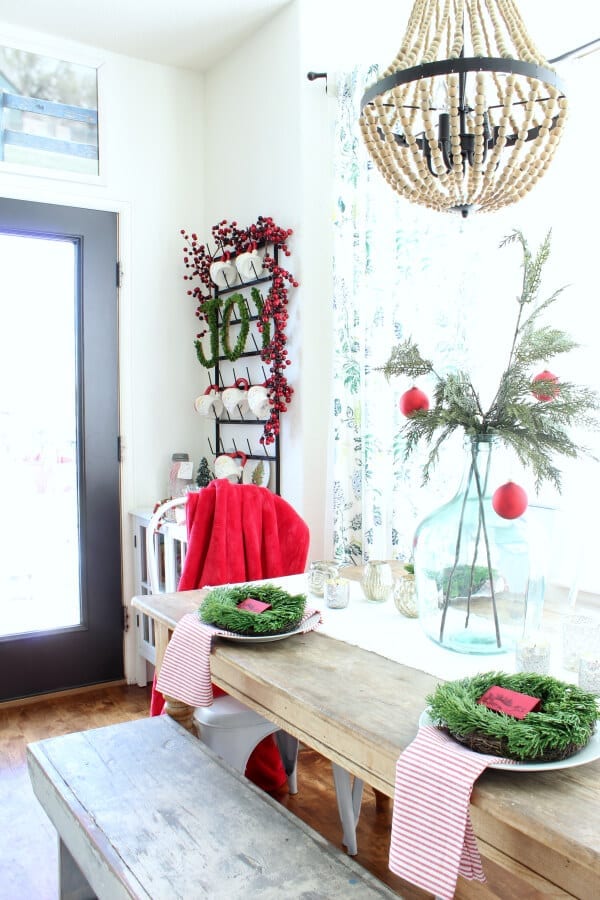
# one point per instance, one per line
(61, 623)
(38, 435)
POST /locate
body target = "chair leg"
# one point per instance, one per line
(349, 797)
(288, 748)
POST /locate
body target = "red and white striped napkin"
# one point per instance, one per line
(185, 670)
(432, 840)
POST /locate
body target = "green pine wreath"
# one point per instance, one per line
(219, 608)
(564, 724)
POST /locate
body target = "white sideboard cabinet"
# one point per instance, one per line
(171, 545)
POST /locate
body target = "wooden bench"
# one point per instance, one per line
(144, 809)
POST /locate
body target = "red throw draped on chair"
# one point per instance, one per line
(242, 532)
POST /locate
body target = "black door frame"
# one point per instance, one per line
(93, 651)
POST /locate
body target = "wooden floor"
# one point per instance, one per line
(28, 849)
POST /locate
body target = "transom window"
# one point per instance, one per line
(48, 113)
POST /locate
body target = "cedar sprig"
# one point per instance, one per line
(536, 429)
(406, 357)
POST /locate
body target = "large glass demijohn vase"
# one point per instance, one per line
(479, 583)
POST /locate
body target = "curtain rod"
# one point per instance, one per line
(590, 47)
(313, 76)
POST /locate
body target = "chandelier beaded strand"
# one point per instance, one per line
(469, 114)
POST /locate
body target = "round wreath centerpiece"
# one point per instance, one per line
(220, 608)
(563, 725)
(230, 240)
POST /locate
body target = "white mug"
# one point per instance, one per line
(226, 466)
(235, 397)
(249, 265)
(209, 400)
(223, 273)
(258, 400)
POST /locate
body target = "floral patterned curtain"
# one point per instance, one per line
(375, 260)
(403, 271)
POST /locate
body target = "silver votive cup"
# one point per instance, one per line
(589, 674)
(580, 637)
(377, 581)
(318, 573)
(405, 596)
(532, 654)
(337, 593)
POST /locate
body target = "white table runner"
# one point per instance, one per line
(380, 628)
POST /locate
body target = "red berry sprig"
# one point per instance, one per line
(231, 240)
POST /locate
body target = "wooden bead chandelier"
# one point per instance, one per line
(469, 113)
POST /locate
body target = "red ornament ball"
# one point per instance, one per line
(545, 376)
(412, 401)
(509, 500)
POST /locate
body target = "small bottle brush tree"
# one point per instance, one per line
(204, 475)
(529, 413)
(258, 474)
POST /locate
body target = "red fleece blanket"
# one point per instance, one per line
(242, 532)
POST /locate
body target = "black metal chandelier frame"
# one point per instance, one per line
(461, 66)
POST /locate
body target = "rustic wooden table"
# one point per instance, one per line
(538, 832)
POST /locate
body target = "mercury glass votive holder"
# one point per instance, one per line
(532, 654)
(337, 593)
(318, 573)
(405, 596)
(580, 637)
(589, 674)
(377, 581)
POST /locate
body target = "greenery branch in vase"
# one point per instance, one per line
(529, 413)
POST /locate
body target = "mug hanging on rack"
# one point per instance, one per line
(226, 465)
(236, 396)
(209, 400)
(224, 273)
(258, 400)
(249, 265)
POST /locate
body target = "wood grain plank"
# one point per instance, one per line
(171, 820)
(362, 710)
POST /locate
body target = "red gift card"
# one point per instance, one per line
(511, 703)
(251, 604)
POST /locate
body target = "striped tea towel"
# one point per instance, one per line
(185, 671)
(432, 840)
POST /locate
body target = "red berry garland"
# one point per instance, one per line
(230, 241)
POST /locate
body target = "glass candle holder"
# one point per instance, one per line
(337, 593)
(377, 581)
(405, 596)
(589, 673)
(532, 654)
(580, 637)
(318, 573)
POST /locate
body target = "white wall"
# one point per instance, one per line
(254, 166)
(269, 153)
(151, 126)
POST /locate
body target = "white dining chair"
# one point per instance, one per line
(231, 729)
